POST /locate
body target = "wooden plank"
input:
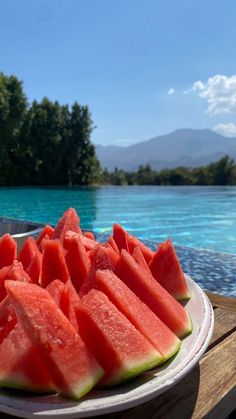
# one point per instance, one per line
(218, 380)
(222, 301)
(225, 323)
(210, 389)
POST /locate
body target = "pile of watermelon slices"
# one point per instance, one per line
(75, 313)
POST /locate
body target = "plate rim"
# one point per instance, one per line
(204, 334)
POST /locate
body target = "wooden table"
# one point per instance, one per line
(210, 388)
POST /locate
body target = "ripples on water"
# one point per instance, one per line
(203, 217)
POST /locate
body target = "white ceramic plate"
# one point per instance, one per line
(133, 393)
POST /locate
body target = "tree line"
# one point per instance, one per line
(222, 172)
(46, 143)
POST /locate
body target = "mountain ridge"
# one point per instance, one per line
(183, 147)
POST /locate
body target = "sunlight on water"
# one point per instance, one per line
(202, 217)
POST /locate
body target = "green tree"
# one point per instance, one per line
(201, 176)
(118, 177)
(145, 175)
(221, 171)
(43, 142)
(180, 176)
(83, 166)
(13, 106)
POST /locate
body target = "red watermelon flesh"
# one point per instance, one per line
(92, 252)
(35, 267)
(8, 249)
(138, 313)
(46, 232)
(88, 243)
(43, 242)
(66, 298)
(102, 258)
(8, 318)
(113, 256)
(56, 289)
(113, 244)
(77, 260)
(16, 272)
(120, 237)
(134, 242)
(69, 221)
(89, 235)
(118, 346)
(73, 369)
(3, 276)
(53, 263)
(140, 259)
(28, 251)
(166, 269)
(71, 303)
(17, 355)
(154, 295)
(21, 366)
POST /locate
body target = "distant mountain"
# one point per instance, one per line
(183, 147)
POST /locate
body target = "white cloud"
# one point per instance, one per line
(229, 129)
(198, 85)
(220, 93)
(171, 91)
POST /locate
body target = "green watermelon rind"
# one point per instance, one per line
(79, 391)
(21, 383)
(182, 297)
(189, 328)
(127, 373)
(173, 352)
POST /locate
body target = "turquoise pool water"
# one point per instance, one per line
(202, 217)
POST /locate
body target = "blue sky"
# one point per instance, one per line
(144, 67)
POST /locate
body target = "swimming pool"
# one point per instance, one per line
(200, 217)
(197, 218)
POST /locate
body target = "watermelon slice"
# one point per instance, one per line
(28, 251)
(71, 303)
(47, 233)
(8, 250)
(113, 244)
(71, 366)
(118, 346)
(102, 258)
(8, 318)
(69, 221)
(140, 259)
(166, 269)
(56, 289)
(35, 267)
(66, 298)
(16, 272)
(154, 295)
(89, 235)
(53, 263)
(120, 237)
(138, 313)
(125, 240)
(77, 260)
(17, 356)
(134, 242)
(88, 243)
